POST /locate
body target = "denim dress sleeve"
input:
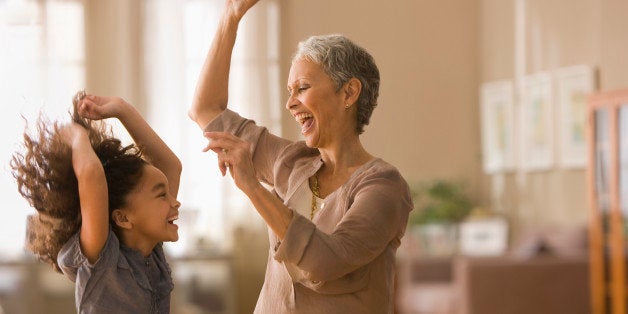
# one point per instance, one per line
(74, 263)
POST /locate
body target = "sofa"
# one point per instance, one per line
(545, 271)
(508, 285)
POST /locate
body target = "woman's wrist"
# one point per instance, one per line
(230, 20)
(253, 188)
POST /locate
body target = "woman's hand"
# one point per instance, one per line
(233, 154)
(239, 7)
(100, 107)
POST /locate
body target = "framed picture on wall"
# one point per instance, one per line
(498, 138)
(536, 122)
(573, 85)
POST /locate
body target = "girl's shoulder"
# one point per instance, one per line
(71, 257)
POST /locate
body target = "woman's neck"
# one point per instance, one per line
(344, 157)
(339, 164)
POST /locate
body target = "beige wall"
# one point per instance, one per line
(426, 123)
(433, 55)
(558, 33)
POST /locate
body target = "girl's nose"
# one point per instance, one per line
(175, 203)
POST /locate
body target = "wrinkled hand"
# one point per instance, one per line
(100, 107)
(71, 132)
(239, 7)
(233, 154)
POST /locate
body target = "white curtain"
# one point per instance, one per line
(42, 65)
(177, 36)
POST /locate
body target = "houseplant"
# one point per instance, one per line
(439, 206)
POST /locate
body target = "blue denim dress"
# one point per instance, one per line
(120, 281)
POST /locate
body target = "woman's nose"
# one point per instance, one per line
(291, 102)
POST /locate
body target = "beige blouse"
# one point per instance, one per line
(347, 253)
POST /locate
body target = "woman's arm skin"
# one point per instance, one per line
(211, 99)
(154, 148)
(92, 186)
(212, 89)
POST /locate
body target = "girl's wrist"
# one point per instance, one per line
(79, 135)
(124, 110)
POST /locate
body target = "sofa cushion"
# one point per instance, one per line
(553, 241)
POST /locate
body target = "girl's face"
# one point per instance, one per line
(151, 209)
(316, 104)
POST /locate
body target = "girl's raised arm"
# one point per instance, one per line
(154, 149)
(92, 187)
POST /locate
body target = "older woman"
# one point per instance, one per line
(337, 213)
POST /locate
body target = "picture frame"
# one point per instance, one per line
(498, 126)
(535, 120)
(573, 85)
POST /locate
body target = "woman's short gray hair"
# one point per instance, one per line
(342, 60)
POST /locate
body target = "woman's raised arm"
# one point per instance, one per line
(212, 89)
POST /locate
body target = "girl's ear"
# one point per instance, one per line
(120, 218)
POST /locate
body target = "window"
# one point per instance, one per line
(45, 59)
(42, 66)
(177, 37)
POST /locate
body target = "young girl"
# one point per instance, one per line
(103, 209)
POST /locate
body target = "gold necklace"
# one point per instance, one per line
(315, 191)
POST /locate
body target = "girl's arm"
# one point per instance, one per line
(211, 95)
(154, 148)
(93, 195)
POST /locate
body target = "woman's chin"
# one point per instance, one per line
(310, 141)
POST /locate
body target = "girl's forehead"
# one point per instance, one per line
(151, 177)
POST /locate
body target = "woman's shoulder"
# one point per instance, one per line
(380, 167)
(379, 171)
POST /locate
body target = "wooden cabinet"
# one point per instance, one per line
(608, 188)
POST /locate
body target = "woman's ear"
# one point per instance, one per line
(120, 218)
(352, 89)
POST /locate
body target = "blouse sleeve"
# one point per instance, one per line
(265, 147)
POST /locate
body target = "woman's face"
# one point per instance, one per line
(315, 104)
(152, 209)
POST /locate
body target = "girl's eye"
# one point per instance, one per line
(162, 195)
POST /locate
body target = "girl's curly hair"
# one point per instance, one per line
(46, 179)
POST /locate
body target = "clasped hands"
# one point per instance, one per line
(233, 154)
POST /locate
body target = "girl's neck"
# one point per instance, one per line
(135, 242)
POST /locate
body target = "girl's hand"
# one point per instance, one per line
(233, 154)
(100, 107)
